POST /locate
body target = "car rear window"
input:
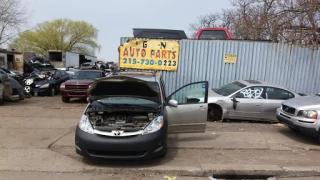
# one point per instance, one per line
(213, 34)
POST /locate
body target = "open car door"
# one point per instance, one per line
(187, 108)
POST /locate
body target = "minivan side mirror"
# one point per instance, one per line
(173, 103)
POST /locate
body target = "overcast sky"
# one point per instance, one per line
(116, 18)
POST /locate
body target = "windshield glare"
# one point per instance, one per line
(86, 75)
(230, 88)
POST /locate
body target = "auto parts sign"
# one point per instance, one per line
(149, 54)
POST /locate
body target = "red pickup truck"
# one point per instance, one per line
(213, 33)
(78, 85)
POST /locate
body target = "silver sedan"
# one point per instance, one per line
(247, 100)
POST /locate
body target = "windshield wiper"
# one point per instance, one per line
(128, 105)
(135, 105)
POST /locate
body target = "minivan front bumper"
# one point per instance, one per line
(131, 147)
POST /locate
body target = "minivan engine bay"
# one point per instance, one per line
(128, 121)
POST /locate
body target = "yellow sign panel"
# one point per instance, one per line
(149, 54)
(230, 58)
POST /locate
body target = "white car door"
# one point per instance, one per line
(186, 108)
(247, 103)
(274, 98)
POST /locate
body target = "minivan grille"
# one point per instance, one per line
(288, 109)
(117, 153)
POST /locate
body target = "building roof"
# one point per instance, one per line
(5, 51)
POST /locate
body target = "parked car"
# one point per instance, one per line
(51, 83)
(213, 33)
(103, 66)
(301, 114)
(17, 88)
(131, 120)
(159, 33)
(12, 89)
(37, 66)
(3, 75)
(247, 100)
(10, 73)
(31, 80)
(34, 71)
(89, 65)
(78, 85)
(1, 92)
(17, 75)
(70, 69)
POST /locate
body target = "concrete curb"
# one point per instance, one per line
(217, 171)
(223, 170)
(206, 170)
(301, 171)
(154, 170)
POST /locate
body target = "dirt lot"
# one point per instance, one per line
(38, 138)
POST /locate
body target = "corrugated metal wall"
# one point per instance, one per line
(294, 67)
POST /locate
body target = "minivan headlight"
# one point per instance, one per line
(85, 125)
(308, 114)
(155, 125)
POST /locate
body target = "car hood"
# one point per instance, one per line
(122, 86)
(304, 102)
(42, 82)
(79, 81)
(212, 93)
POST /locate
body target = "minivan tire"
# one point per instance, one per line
(65, 99)
(292, 129)
(52, 91)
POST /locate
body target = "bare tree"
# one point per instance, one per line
(12, 16)
(292, 21)
(205, 21)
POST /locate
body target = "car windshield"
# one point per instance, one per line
(213, 34)
(86, 75)
(149, 90)
(230, 88)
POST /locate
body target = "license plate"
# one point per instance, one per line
(35, 93)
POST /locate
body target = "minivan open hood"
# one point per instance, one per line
(122, 86)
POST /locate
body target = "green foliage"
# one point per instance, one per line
(60, 34)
